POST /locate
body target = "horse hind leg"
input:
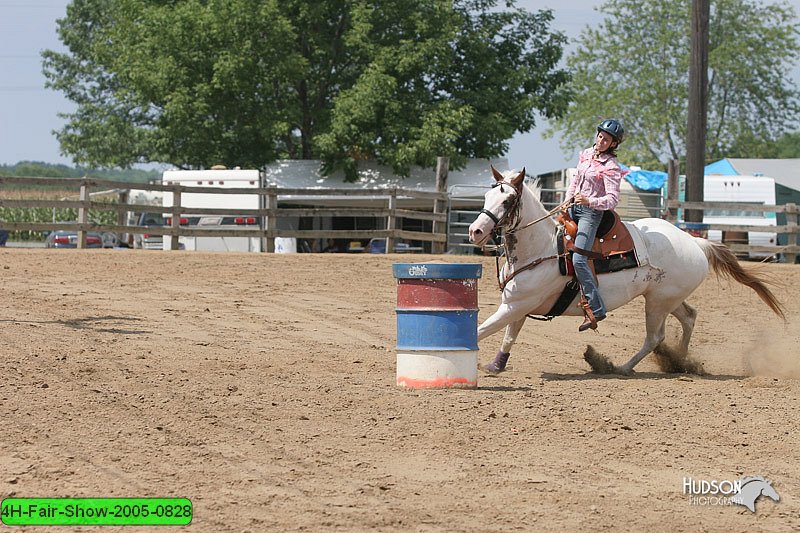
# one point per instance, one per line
(686, 315)
(676, 360)
(501, 359)
(655, 325)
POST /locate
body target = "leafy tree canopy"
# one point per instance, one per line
(785, 147)
(244, 82)
(635, 64)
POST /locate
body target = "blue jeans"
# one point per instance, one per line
(588, 220)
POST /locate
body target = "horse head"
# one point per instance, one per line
(499, 207)
(752, 488)
(769, 491)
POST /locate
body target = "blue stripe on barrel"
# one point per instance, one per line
(437, 330)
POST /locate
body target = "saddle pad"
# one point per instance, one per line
(639, 246)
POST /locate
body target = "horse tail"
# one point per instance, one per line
(724, 264)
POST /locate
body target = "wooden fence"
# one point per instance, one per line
(268, 215)
(790, 229)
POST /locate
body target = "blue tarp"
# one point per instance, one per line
(653, 180)
(722, 167)
(646, 180)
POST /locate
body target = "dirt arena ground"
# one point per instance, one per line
(262, 387)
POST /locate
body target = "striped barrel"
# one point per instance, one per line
(437, 325)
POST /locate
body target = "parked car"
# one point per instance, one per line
(146, 241)
(69, 239)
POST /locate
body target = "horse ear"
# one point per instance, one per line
(517, 181)
(496, 174)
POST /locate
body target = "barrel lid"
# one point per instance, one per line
(437, 270)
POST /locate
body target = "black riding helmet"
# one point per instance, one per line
(613, 128)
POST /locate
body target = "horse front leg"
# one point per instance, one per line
(504, 316)
(501, 359)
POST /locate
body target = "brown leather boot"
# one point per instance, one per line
(588, 323)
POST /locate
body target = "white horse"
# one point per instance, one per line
(678, 263)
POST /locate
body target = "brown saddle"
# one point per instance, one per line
(613, 237)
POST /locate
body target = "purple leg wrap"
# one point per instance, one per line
(499, 363)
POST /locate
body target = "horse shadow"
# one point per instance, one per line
(585, 376)
(99, 324)
(501, 388)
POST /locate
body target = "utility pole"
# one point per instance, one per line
(698, 108)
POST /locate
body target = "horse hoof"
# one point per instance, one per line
(492, 369)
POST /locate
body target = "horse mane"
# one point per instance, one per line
(535, 188)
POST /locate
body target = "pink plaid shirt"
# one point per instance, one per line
(599, 179)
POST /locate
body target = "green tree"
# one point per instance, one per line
(37, 169)
(785, 147)
(634, 66)
(244, 82)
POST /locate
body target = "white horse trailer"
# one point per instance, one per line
(227, 179)
(756, 190)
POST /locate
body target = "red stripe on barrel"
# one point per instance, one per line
(437, 294)
(437, 383)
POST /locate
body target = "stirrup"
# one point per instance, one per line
(587, 311)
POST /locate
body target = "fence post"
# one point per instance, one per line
(391, 220)
(122, 216)
(791, 234)
(440, 206)
(176, 218)
(673, 184)
(271, 222)
(83, 213)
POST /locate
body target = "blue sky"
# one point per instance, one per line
(29, 113)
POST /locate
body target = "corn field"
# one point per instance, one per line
(44, 214)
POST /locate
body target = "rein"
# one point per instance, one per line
(564, 205)
(502, 284)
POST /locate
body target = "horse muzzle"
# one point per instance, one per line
(478, 235)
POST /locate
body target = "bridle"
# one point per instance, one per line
(512, 210)
(511, 221)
